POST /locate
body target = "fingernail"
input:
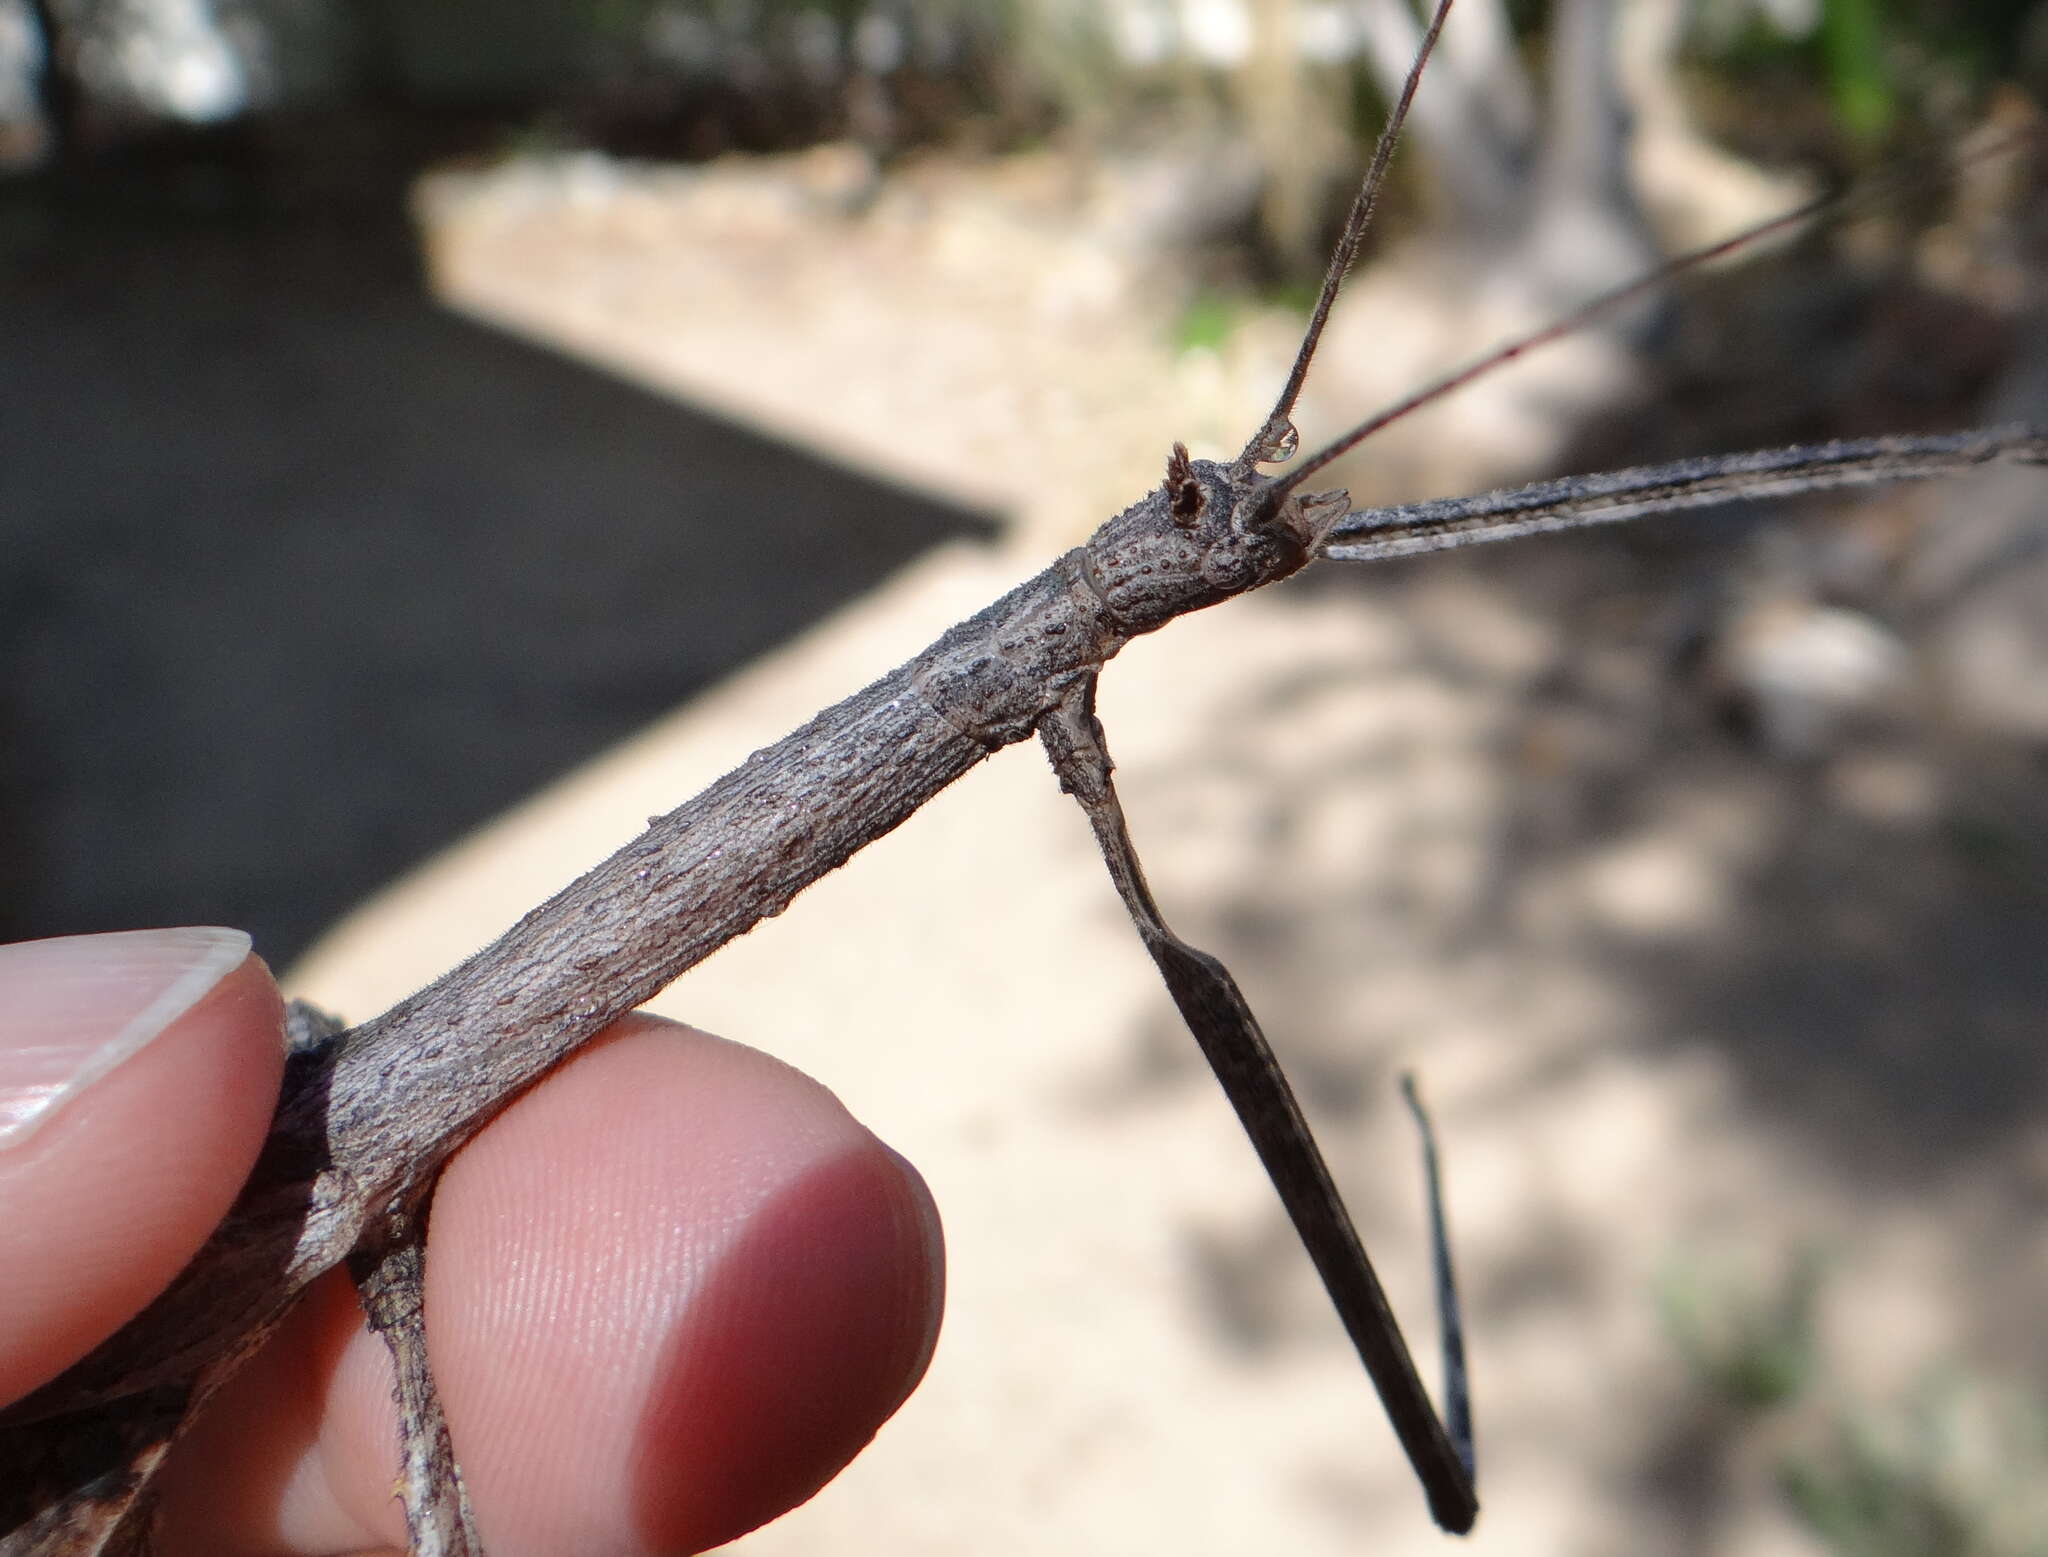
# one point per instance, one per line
(72, 1009)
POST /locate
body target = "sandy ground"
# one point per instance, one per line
(1692, 1015)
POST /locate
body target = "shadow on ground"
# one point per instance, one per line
(1876, 986)
(303, 576)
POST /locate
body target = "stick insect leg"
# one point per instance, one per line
(1450, 1316)
(389, 1278)
(1229, 1035)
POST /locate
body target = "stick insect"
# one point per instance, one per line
(352, 1159)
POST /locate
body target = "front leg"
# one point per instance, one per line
(1231, 1040)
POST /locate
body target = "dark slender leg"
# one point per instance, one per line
(1237, 1051)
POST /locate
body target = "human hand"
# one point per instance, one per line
(670, 1291)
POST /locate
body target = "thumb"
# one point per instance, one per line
(137, 1076)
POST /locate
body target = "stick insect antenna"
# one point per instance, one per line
(1276, 491)
(1275, 439)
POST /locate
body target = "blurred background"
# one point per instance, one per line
(434, 436)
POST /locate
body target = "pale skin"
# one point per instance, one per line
(674, 1289)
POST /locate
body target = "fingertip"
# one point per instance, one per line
(814, 1328)
(670, 1294)
(138, 1072)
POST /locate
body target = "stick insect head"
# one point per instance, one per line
(1202, 535)
(1211, 531)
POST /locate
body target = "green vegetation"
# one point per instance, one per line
(1957, 1468)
